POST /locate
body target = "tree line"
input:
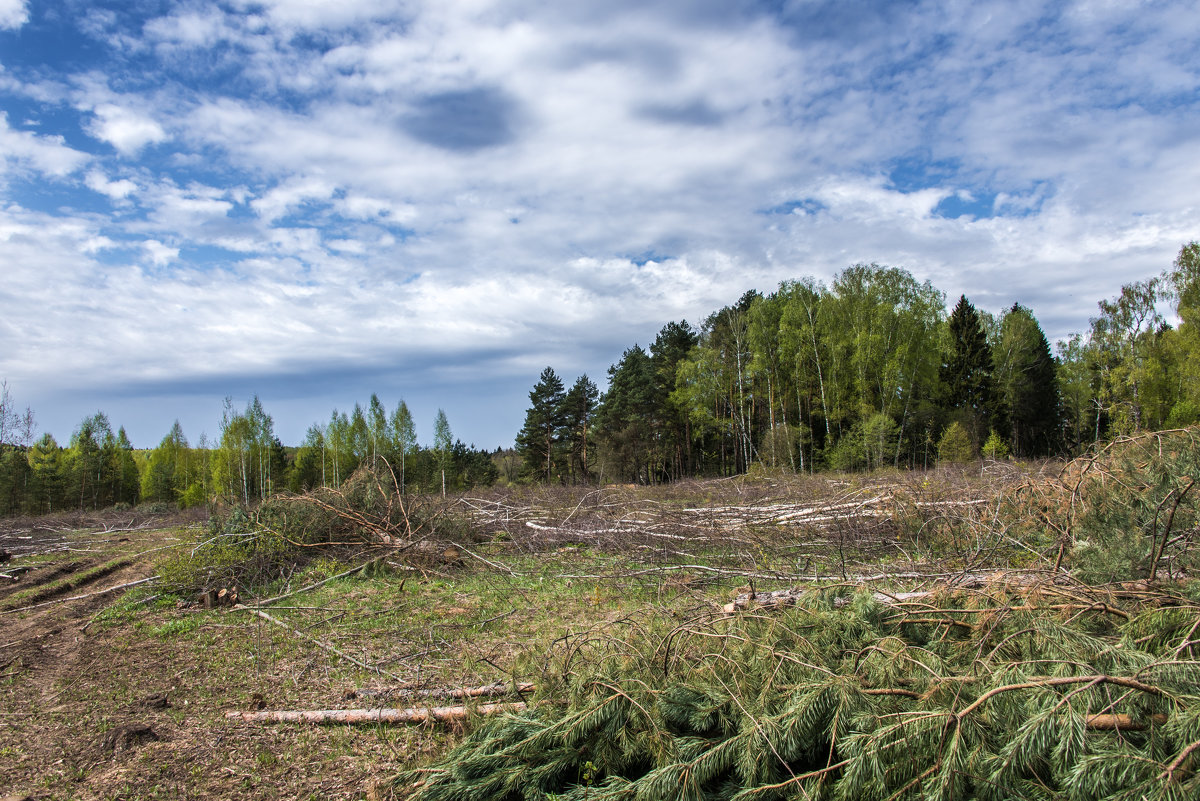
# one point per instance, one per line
(870, 371)
(100, 468)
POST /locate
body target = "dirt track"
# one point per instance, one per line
(91, 708)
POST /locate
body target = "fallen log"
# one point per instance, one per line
(776, 599)
(487, 691)
(439, 714)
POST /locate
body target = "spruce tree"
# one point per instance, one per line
(966, 373)
(1027, 380)
(543, 425)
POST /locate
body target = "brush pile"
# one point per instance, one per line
(1042, 692)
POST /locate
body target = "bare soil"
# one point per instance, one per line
(93, 709)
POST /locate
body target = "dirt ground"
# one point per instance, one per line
(132, 705)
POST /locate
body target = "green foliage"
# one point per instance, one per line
(1127, 352)
(966, 373)
(249, 463)
(1134, 504)
(845, 697)
(995, 447)
(234, 551)
(1027, 383)
(870, 445)
(955, 446)
(626, 417)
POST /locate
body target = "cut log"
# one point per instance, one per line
(777, 599)
(439, 714)
(486, 691)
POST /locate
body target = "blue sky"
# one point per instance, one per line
(314, 201)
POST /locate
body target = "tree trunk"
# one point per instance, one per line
(441, 714)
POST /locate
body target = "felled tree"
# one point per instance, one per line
(962, 695)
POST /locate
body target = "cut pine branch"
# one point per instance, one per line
(415, 715)
(1115, 722)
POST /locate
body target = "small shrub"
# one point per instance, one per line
(995, 448)
(956, 446)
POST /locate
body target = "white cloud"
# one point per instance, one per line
(48, 155)
(190, 28)
(160, 254)
(321, 14)
(125, 129)
(285, 198)
(117, 190)
(13, 14)
(361, 207)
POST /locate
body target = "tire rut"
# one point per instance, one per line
(35, 577)
(83, 579)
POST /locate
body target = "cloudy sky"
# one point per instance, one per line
(313, 200)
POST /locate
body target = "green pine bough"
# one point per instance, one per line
(959, 695)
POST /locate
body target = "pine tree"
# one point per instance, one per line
(579, 407)
(626, 414)
(544, 422)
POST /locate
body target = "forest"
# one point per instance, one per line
(869, 371)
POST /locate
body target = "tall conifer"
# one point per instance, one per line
(543, 425)
(966, 373)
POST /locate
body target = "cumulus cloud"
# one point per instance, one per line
(492, 185)
(159, 254)
(48, 155)
(13, 13)
(125, 129)
(117, 190)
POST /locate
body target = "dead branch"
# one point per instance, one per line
(312, 586)
(340, 654)
(1114, 722)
